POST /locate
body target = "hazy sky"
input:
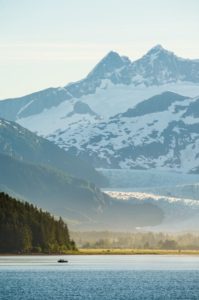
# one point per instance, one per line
(47, 43)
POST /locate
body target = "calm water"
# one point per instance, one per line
(99, 277)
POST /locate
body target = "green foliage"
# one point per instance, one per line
(24, 229)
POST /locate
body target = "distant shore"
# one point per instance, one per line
(113, 252)
(136, 252)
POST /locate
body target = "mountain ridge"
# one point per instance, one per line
(160, 132)
(80, 203)
(22, 144)
(100, 118)
(114, 68)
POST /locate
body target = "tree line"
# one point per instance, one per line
(137, 240)
(24, 229)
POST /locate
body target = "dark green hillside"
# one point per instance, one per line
(24, 228)
(22, 144)
(50, 189)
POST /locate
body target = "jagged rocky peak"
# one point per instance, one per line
(158, 54)
(111, 62)
(112, 58)
(160, 66)
(158, 49)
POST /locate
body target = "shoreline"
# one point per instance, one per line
(111, 252)
(136, 252)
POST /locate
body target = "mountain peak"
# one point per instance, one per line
(108, 64)
(158, 49)
(111, 54)
(112, 58)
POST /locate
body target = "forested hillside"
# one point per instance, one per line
(25, 229)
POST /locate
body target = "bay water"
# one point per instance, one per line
(98, 277)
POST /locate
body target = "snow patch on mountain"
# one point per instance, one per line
(179, 214)
(160, 132)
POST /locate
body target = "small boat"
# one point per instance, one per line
(62, 261)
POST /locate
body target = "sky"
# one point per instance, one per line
(49, 43)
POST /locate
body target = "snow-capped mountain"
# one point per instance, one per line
(161, 132)
(106, 119)
(160, 66)
(114, 77)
